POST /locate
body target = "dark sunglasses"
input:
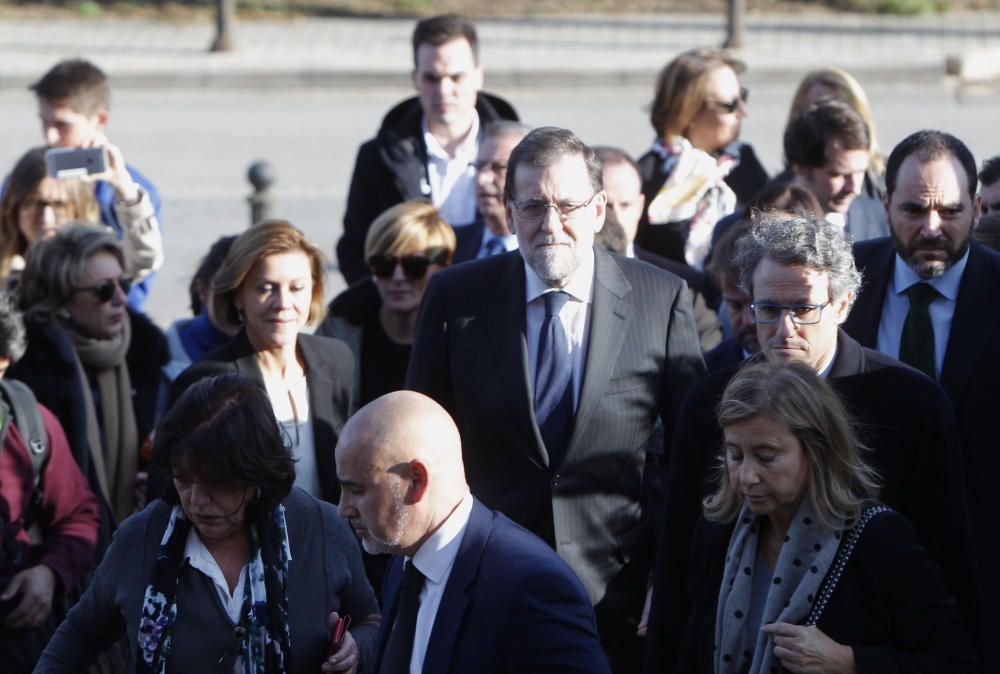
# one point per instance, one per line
(106, 290)
(415, 265)
(731, 106)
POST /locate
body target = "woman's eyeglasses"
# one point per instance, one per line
(106, 290)
(415, 265)
(730, 107)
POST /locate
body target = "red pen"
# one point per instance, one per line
(339, 630)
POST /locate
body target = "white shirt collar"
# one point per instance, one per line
(946, 284)
(580, 286)
(437, 555)
(468, 146)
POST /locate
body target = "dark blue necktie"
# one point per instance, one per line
(493, 246)
(399, 649)
(554, 380)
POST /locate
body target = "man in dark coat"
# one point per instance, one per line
(427, 144)
(478, 593)
(803, 281)
(557, 401)
(953, 333)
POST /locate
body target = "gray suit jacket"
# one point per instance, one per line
(471, 355)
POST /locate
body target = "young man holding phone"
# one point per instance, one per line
(74, 99)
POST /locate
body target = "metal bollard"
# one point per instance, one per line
(261, 176)
(225, 17)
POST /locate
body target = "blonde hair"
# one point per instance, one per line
(269, 237)
(409, 226)
(848, 90)
(680, 89)
(790, 393)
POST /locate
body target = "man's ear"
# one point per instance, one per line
(418, 482)
(508, 211)
(103, 115)
(413, 77)
(601, 201)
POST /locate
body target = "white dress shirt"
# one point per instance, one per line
(453, 179)
(574, 316)
(897, 305)
(202, 560)
(434, 560)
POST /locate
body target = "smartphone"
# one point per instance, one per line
(73, 162)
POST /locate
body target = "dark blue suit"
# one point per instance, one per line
(509, 605)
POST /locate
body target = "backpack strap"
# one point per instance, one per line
(28, 419)
(840, 561)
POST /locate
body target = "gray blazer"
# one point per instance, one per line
(325, 575)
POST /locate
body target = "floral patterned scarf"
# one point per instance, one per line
(267, 646)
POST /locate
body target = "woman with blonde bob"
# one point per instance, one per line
(377, 316)
(697, 170)
(796, 565)
(271, 285)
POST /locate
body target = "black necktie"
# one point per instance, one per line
(916, 346)
(554, 380)
(399, 649)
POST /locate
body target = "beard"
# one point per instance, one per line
(930, 268)
(553, 264)
(399, 515)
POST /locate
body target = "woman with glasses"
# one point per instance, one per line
(697, 170)
(91, 359)
(271, 285)
(377, 316)
(234, 570)
(35, 206)
(796, 566)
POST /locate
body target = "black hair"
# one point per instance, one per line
(929, 145)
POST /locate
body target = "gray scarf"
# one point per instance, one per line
(117, 458)
(806, 556)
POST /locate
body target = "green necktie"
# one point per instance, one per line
(916, 346)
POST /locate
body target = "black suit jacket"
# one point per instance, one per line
(329, 368)
(900, 415)
(468, 240)
(890, 605)
(471, 355)
(509, 605)
(970, 374)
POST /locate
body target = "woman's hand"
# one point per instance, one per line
(808, 651)
(37, 587)
(346, 657)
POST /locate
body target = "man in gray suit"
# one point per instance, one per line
(555, 361)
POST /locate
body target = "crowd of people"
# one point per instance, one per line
(576, 411)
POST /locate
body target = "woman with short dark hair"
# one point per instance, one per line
(796, 566)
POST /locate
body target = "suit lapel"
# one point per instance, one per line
(455, 599)
(322, 413)
(974, 322)
(390, 603)
(609, 318)
(876, 263)
(509, 355)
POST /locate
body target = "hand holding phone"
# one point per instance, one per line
(75, 162)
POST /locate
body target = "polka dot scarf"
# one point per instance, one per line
(806, 556)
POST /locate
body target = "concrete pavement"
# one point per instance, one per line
(534, 51)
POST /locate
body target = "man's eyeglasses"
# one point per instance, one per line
(106, 290)
(415, 265)
(35, 206)
(534, 210)
(730, 107)
(494, 167)
(801, 314)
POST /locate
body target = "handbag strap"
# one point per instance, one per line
(840, 562)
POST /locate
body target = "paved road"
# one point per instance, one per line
(197, 143)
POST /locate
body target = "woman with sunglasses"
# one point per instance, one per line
(697, 170)
(35, 206)
(271, 285)
(234, 570)
(377, 316)
(92, 360)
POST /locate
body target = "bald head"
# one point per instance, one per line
(399, 461)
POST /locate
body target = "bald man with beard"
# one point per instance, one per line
(469, 590)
